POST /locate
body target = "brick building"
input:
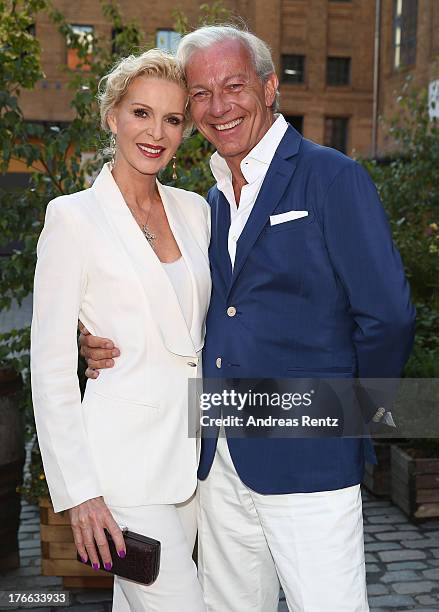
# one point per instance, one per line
(323, 51)
(408, 45)
(339, 61)
(325, 55)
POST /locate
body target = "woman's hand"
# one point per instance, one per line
(88, 521)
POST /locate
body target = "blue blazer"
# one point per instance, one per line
(324, 295)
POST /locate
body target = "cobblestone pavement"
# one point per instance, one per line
(402, 564)
(402, 559)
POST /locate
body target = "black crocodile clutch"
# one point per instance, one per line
(142, 561)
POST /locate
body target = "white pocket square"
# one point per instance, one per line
(291, 215)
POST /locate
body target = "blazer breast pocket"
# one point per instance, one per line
(292, 220)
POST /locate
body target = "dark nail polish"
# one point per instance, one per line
(95, 566)
(108, 566)
(121, 553)
(84, 559)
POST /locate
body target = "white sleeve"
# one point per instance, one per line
(60, 280)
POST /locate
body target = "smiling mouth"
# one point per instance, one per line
(150, 150)
(228, 126)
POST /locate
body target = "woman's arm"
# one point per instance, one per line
(60, 282)
(58, 289)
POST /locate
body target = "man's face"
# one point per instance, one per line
(229, 103)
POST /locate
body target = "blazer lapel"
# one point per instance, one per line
(196, 260)
(220, 235)
(275, 183)
(158, 289)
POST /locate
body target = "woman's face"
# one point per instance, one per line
(148, 124)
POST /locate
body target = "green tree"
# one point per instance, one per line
(409, 188)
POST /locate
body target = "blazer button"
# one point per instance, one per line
(218, 362)
(231, 311)
(192, 364)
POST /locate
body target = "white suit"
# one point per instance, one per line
(128, 441)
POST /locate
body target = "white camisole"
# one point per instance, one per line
(179, 276)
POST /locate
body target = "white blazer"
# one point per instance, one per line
(128, 441)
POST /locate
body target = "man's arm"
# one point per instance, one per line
(369, 267)
(98, 352)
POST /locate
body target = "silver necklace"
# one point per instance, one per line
(149, 235)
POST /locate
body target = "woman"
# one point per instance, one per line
(128, 256)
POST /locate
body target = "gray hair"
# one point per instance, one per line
(206, 36)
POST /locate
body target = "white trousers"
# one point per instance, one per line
(311, 542)
(177, 586)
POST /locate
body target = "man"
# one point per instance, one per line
(306, 282)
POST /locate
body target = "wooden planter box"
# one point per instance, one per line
(377, 476)
(415, 484)
(58, 552)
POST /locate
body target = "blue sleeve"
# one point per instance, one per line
(369, 266)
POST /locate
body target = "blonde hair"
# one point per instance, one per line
(153, 63)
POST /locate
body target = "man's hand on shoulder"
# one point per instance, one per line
(98, 352)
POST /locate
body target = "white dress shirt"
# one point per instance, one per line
(254, 167)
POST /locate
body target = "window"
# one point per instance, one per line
(405, 21)
(338, 71)
(167, 40)
(296, 121)
(85, 35)
(293, 69)
(31, 30)
(115, 50)
(336, 133)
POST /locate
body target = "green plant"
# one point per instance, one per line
(409, 189)
(422, 364)
(35, 484)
